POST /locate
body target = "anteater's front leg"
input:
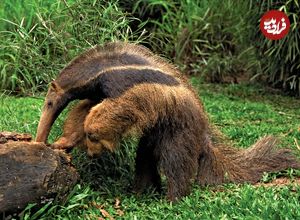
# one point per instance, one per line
(146, 167)
(73, 133)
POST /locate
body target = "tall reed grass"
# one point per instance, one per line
(279, 60)
(37, 40)
(219, 39)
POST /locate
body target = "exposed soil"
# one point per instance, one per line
(279, 182)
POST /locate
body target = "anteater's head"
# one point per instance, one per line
(96, 145)
(101, 131)
(64, 89)
(55, 101)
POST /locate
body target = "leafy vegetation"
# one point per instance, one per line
(201, 36)
(105, 187)
(279, 60)
(220, 40)
(35, 47)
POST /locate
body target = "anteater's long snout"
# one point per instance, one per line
(54, 103)
(46, 121)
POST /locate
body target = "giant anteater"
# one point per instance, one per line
(127, 90)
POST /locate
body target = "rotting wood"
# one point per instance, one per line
(32, 172)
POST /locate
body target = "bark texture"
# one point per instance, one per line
(31, 172)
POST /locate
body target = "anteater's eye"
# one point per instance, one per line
(49, 103)
(92, 137)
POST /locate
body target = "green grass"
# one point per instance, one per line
(242, 112)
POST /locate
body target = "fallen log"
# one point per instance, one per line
(31, 172)
(7, 136)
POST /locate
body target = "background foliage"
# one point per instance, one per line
(219, 40)
(279, 60)
(37, 40)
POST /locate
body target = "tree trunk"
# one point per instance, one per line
(31, 172)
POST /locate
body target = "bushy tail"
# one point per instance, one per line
(222, 164)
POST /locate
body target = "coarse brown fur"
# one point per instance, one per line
(73, 133)
(172, 127)
(130, 91)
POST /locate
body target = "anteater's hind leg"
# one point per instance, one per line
(73, 133)
(178, 161)
(146, 170)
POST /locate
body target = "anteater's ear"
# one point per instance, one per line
(55, 87)
(92, 137)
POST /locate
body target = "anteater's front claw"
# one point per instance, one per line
(62, 144)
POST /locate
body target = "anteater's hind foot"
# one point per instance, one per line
(179, 164)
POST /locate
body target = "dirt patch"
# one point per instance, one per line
(279, 182)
